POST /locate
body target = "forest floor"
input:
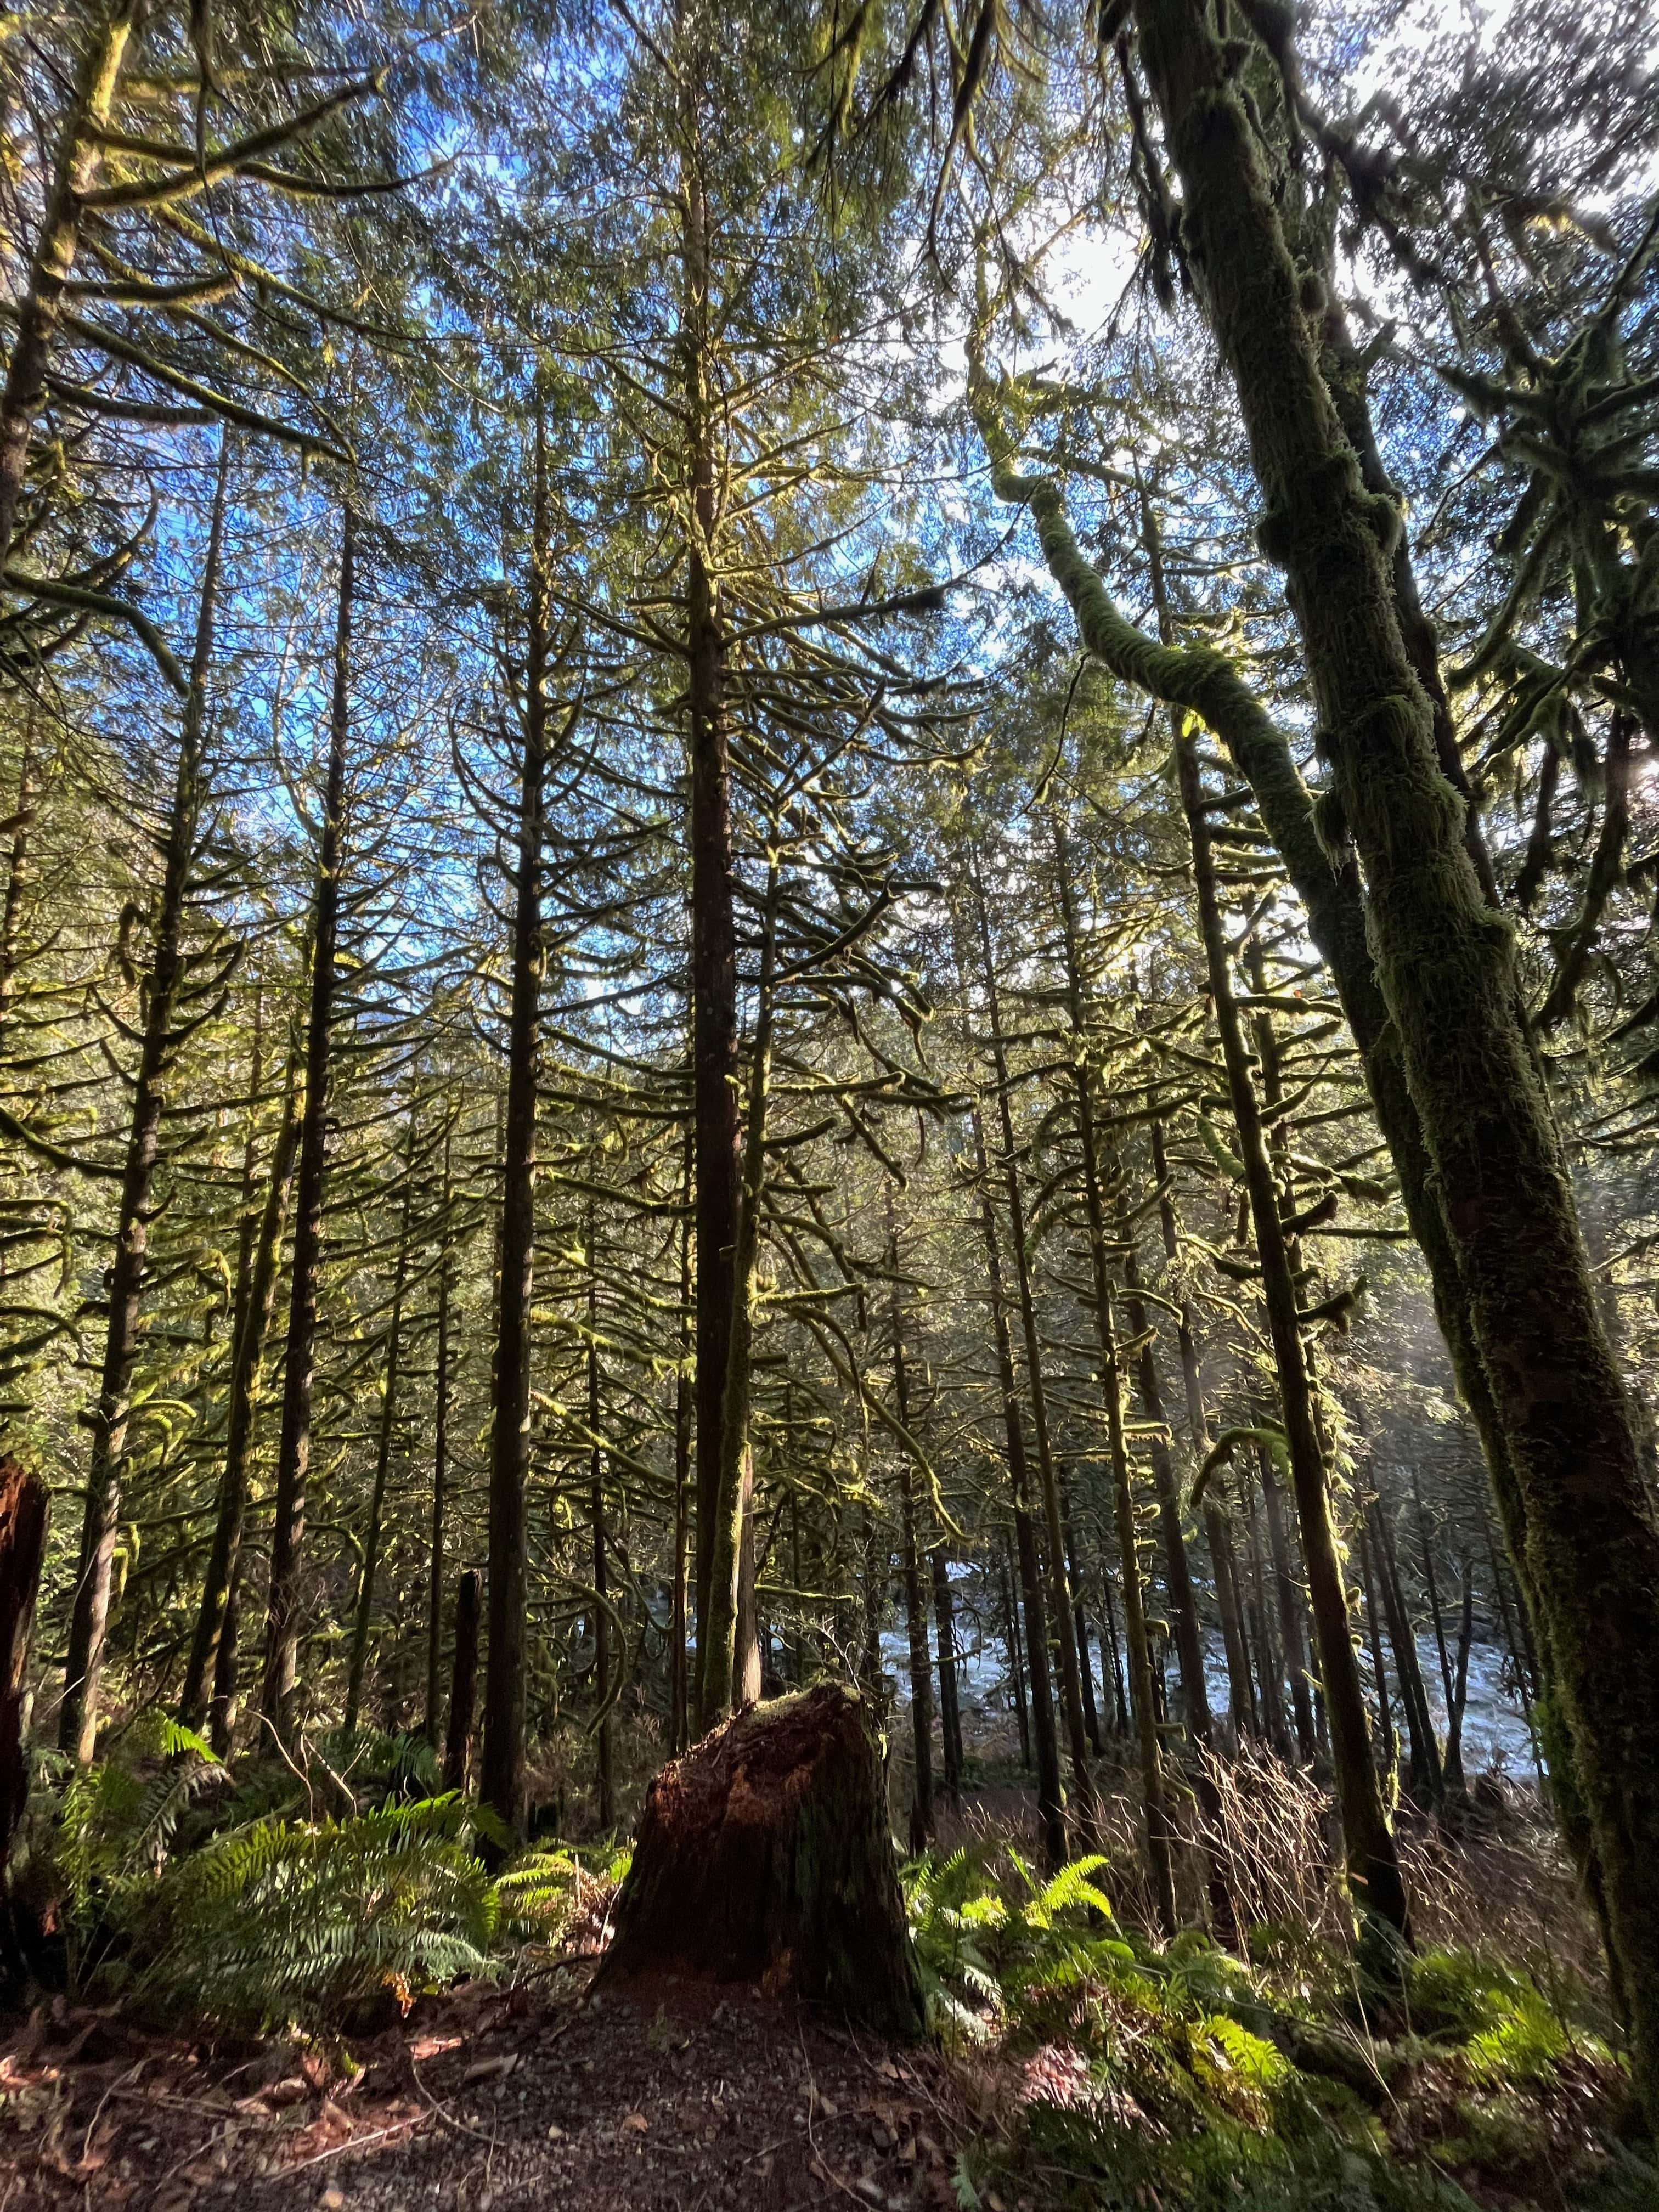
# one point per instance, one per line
(665, 2097)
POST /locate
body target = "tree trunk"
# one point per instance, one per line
(1051, 1802)
(596, 1514)
(1223, 1563)
(78, 1727)
(1291, 1640)
(1059, 1598)
(716, 1070)
(1423, 1770)
(213, 1617)
(1387, 1738)
(1451, 1763)
(502, 1779)
(1373, 1864)
(915, 1610)
(388, 1422)
(277, 1695)
(79, 160)
(949, 1704)
(24, 1506)
(1447, 967)
(727, 1652)
(434, 1599)
(679, 1691)
(463, 1681)
(1270, 1672)
(763, 1855)
(1460, 1690)
(1015, 1666)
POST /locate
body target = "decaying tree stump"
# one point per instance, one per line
(22, 1543)
(763, 1854)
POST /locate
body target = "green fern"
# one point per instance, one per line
(281, 1920)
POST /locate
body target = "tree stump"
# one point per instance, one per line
(22, 1545)
(763, 1855)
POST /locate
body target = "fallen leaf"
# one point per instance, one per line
(489, 2069)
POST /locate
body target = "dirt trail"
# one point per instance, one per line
(668, 2097)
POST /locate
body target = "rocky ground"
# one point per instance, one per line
(669, 2095)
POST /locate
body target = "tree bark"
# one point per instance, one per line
(463, 1681)
(501, 1778)
(214, 1619)
(388, 1430)
(763, 1854)
(24, 1507)
(728, 1652)
(440, 1445)
(79, 160)
(276, 1696)
(716, 1070)
(1423, 1768)
(915, 1610)
(1059, 1598)
(77, 1729)
(603, 1775)
(1447, 967)
(1051, 1802)
(1373, 1864)
(949, 1702)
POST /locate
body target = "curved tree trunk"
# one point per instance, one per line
(1447, 967)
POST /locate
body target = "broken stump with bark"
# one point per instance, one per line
(763, 1855)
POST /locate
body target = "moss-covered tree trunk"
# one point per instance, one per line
(1445, 962)
(764, 1855)
(1051, 1799)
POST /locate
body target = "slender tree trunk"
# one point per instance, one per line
(596, 1497)
(727, 1656)
(17, 870)
(1269, 1670)
(1223, 1563)
(88, 1623)
(1292, 1642)
(1387, 1738)
(877, 1568)
(75, 170)
(276, 1696)
(435, 1568)
(1079, 1621)
(679, 1722)
(216, 1618)
(1060, 1596)
(1373, 1864)
(949, 1705)
(1016, 1665)
(1423, 1770)
(715, 1073)
(1051, 1800)
(915, 1609)
(387, 1430)
(501, 1776)
(1459, 1699)
(1451, 1766)
(1120, 1692)
(463, 1681)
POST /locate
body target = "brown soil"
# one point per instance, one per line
(663, 2096)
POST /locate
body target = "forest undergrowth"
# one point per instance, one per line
(335, 1978)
